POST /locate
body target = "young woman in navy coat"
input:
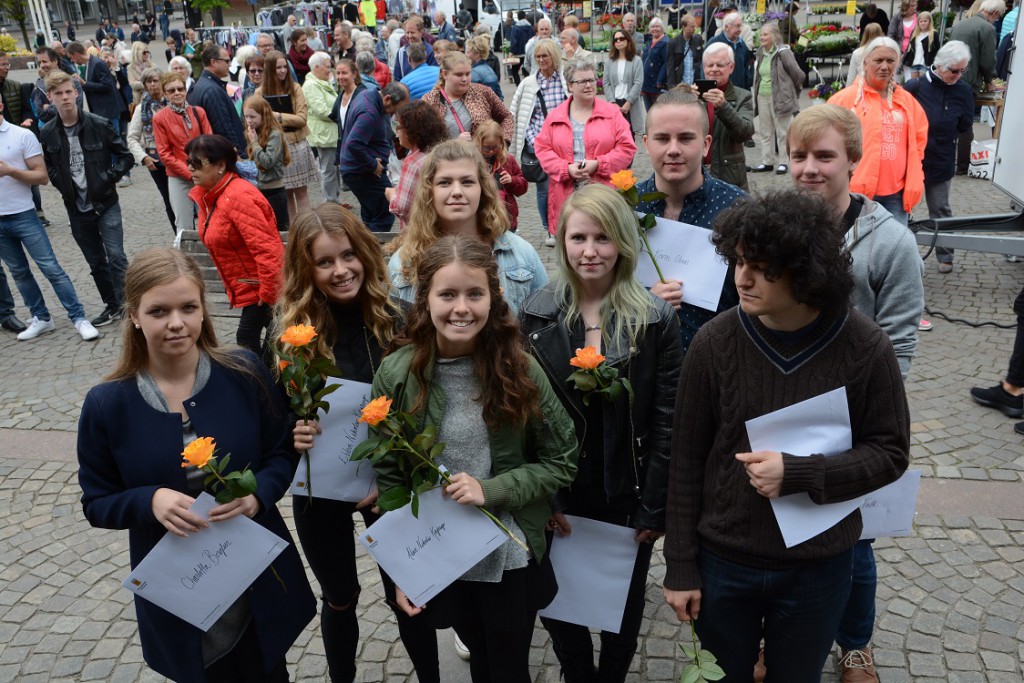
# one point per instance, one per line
(171, 385)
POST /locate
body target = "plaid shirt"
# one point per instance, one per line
(553, 93)
(401, 203)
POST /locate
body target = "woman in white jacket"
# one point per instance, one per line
(623, 78)
(529, 113)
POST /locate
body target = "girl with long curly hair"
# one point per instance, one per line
(460, 367)
(335, 280)
(458, 196)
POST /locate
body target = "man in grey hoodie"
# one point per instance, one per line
(824, 147)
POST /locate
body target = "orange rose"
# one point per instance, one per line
(199, 452)
(623, 180)
(587, 358)
(282, 365)
(376, 410)
(298, 335)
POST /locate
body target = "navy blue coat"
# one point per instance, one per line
(211, 93)
(654, 67)
(521, 34)
(950, 112)
(101, 90)
(127, 450)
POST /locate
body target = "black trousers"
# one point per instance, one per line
(1015, 375)
(572, 643)
(254, 330)
(325, 530)
(278, 198)
(496, 620)
(159, 176)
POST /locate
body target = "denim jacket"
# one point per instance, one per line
(520, 271)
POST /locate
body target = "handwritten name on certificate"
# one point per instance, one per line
(817, 425)
(425, 555)
(331, 474)
(198, 577)
(889, 511)
(685, 252)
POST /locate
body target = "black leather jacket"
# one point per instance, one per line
(636, 447)
(99, 144)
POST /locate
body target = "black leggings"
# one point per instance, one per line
(496, 620)
(159, 175)
(244, 663)
(254, 330)
(278, 199)
(325, 529)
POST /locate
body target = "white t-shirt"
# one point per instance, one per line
(621, 87)
(17, 145)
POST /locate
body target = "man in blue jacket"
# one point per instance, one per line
(364, 149)
(210, 92)
(422, 77)
(99, 85)
(445, 31)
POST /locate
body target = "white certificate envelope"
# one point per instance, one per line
(685, 252)
(196, 578)
(593, 566)
(331, 474)
(819, 425)
(427, 554)
(889, 511)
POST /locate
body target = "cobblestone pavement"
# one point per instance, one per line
(950, 598)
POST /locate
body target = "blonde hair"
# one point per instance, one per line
(931, 27)
(302, 303)
(814, 122)
(551, 48)
(487, 130)
(424, 227)
(480, 45)
(155, 267)
(627, 306)
(450, 61)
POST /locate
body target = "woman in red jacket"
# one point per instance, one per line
(239, 230)
(506, 172)
(173, 127)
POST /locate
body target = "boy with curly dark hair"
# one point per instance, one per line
(793, 337)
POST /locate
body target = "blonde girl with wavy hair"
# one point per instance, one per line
(336, 281)
(457, 195)
(596, 301)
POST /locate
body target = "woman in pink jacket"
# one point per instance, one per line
(584, 139)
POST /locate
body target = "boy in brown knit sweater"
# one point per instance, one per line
(794, 336)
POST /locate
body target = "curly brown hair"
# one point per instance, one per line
(501, 365)
(423, 126)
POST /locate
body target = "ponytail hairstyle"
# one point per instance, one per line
(507, 393)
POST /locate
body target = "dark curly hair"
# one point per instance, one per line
(791, 232)
(508, 395)
(423, 125)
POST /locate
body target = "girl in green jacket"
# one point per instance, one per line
(460, 367)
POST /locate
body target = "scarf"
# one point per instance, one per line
(183, 112)
(150, 107)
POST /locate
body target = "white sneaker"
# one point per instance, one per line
(460, 648)
(550, 241)
(36, 327)
(85, 329)
(125, 181)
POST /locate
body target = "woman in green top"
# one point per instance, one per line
(777, 83)
(460, 367)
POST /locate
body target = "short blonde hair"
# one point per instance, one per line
(813, 122)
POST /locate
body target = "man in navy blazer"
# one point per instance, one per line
(99, 85)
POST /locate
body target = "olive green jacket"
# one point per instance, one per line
(734, 125)
(529, 464)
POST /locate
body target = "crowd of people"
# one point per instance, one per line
(464, 327)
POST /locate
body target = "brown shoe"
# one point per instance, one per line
(759, 671)
(857, 666)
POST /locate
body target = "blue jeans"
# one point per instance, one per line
(542, 202)
(6, 298)
(101, 239)
(893, 203)
(795, 611)
(21, 232)
(374, 208)
(859, 616)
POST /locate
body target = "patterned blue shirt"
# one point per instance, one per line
(699, 208)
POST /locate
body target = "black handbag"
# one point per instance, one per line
(532, 170)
